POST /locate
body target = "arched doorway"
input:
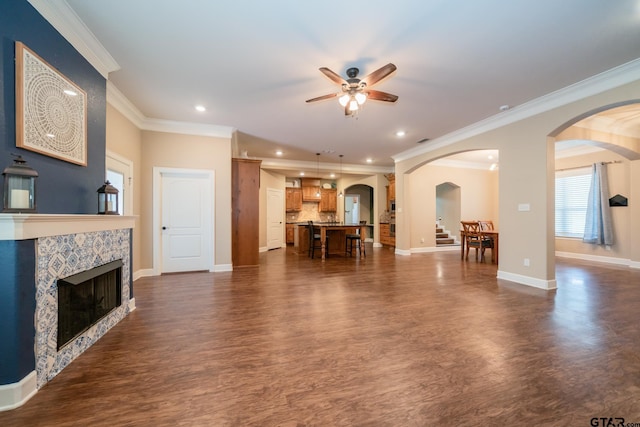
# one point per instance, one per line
(608, 135)
(448, 202)
(358, 204)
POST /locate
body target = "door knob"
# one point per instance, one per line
(164, 228)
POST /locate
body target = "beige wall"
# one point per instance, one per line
(171, 150)
(526, 176)
(125, 140)
(478, 199)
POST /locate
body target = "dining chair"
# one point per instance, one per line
(315, 242)
(474, 239)
(350, 238)
(486, 225)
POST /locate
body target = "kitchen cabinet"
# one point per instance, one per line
(245, 212)
(310, 189)
(328, 200)
(391, 190)
(291, 229)
(294, 199)
(385, 235)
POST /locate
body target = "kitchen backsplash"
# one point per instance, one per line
(310, 212)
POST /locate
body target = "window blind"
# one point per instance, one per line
(572, 193)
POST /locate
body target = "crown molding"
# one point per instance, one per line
(188, 128)
(131, 112)
(615, 77)
(297, 165)
(126, 107)
(70, 26)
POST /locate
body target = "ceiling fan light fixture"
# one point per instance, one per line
(360, 98)
(344, 99)
(353, 105)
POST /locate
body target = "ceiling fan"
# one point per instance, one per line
(356, 91)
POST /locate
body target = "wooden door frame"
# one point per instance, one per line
(156, 233)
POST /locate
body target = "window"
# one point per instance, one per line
(572, 194)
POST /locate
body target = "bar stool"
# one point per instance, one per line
(355, 237)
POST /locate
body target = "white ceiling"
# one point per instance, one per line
(253, 63)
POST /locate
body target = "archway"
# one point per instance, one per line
(358, 204)
(605, 135)
(448, 207)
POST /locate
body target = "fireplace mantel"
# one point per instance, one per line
(33, 226)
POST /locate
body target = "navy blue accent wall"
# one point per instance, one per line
(62, 187)
(17, 308)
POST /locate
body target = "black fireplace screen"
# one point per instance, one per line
(85, 298)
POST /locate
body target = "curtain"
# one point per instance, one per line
(598, 228)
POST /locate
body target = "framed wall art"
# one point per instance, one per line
(51, 110)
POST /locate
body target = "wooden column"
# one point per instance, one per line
(245, 199)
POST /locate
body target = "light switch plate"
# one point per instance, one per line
(524, 207)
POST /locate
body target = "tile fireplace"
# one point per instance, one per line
(59, 249)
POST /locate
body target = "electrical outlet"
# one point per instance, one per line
(526, 262)
(422, 240)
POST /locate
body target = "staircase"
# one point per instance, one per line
(443, 238)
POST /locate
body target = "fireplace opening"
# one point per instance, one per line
(86, 297)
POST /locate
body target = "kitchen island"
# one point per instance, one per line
(335, 231)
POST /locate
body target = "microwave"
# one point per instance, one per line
(392, 206)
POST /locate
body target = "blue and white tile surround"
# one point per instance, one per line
(58, 257)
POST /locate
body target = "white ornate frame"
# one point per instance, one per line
(51, 110)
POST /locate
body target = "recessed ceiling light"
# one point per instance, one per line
(400, 133)
(279, 153)
(333, 175)
(490, 157)
(504, 107)
(369, 160)
(301, 173)
(200, 108)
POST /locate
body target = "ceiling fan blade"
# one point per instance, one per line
(377, 95)
(333, 76)
(379, 74)
(320, 98)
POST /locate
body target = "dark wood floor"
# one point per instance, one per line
(421, 340)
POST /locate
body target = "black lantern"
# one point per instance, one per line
(107, 199)
(19, 187)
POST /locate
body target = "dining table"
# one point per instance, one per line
(494, 235)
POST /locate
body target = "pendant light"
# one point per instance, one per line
(318, 172)
(341, 155)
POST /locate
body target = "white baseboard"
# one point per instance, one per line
(434, 249)
(17, 394)
(403, 252)
(222, 267)
(377, 245)
(143, 273)
(596, 258)
(263, 249)
(529, 281)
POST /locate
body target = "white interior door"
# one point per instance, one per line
(186, 218)
(275, 218)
